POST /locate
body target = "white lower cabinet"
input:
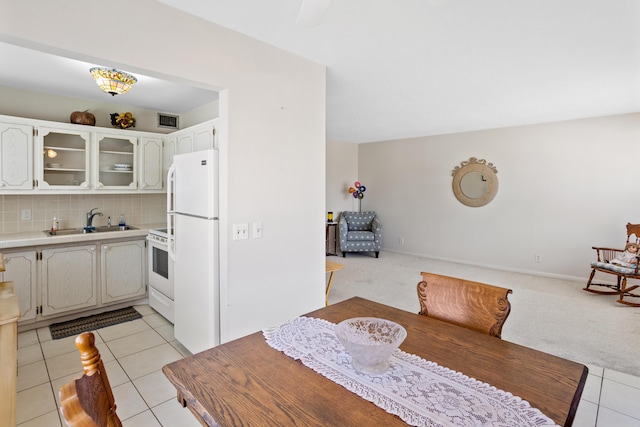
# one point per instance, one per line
(122, 267)
(69, 279)
(21, 270)
(57, 280)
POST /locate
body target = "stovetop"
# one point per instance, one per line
(159, 235)
(162, 232)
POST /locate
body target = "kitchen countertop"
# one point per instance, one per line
(39, 238)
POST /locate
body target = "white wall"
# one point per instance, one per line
(272, 136)
(199, 115)
(43, 106)
(342, 172)
(563, 188)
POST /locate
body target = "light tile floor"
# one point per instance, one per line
(134, 353)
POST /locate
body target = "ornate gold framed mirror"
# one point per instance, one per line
(475, 182)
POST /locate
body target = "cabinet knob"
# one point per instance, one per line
(105, 247)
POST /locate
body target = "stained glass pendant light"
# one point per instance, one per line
(113, 81)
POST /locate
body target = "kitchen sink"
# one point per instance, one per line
(85, 230)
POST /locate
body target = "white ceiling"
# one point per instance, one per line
(23, 68)
(406, 68)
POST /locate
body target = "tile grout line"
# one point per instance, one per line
(116, 359)
(149, 408)
(599, 397)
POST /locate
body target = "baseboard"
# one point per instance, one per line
(499, 267)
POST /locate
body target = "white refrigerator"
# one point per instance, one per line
(192, 229)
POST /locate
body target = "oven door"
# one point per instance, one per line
(160, 268)
(160, 274)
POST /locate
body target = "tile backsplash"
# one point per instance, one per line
(71, 210)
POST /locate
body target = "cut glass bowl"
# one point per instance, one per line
(370, 341)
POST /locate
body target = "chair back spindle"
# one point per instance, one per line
(88, 401)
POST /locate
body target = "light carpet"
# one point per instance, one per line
(551, 315)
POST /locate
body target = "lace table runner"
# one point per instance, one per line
(420, 392)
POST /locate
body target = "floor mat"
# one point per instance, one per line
(90, 323)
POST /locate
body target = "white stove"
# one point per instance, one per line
(158, 235)
(160, 273)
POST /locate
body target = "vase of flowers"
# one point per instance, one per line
(358, 193)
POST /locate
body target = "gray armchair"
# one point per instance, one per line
(360, 232)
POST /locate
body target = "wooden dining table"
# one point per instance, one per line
(247, 383)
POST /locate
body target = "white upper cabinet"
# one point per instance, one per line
(150, 165)
(204, 136)
(37, 155)
(64, 159)
(16, 157)
(168, 153)
(195, 138)
(115, 161)
(184, 143)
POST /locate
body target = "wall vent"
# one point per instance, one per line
(167, 121)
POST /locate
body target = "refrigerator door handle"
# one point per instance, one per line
(171, 183)
(171, 175)
(171, 240)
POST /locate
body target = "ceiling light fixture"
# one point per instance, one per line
(113, 81)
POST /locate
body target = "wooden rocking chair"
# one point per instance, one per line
(622, 273)
(88, 401)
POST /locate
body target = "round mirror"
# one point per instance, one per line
(474, 185)
(475, 182)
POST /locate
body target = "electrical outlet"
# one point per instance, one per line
(538, 258)
(240, 231)
(401, 240)
(257, 230)
(26, 214)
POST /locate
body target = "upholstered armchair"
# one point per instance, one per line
(360, 232)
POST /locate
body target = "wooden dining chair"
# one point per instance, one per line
(9, 316)
(473, 305)
(88, 401)
(331, 267)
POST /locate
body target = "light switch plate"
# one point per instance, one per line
(240, 231)
(257, 230)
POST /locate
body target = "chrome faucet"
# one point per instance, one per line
(90, 216)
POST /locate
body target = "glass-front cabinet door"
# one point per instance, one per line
(115, 161)
(63, 158)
